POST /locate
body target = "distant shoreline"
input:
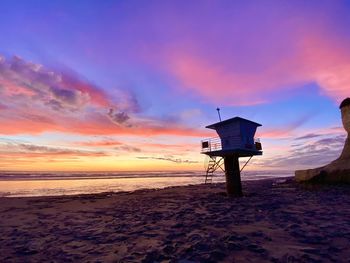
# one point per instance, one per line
(67, 185)
(258, 177)
(276, 179)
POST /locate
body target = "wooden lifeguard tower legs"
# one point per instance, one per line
(233, 176)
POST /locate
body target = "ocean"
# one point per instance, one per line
(25, 184)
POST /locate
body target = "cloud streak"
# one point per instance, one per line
(308, 136)
(99, 143)
(12, 149)
(127, 148)
(167, 158)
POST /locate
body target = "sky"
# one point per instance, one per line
(131, 85)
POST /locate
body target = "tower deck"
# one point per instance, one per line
(238, 152)
(214, 147)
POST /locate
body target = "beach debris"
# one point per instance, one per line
(337, 171)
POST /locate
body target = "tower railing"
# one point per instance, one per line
(215, 144)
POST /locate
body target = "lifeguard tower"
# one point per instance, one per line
(236, 139)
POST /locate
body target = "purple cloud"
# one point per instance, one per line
(308, 136)
(118, 117)
(312, 154)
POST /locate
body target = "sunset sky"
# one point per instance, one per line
(131, 85)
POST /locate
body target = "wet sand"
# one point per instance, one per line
(276, 221)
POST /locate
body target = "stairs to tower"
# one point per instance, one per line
(213, 164)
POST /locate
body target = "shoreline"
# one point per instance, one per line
(276, 220)
(71, 186)
(110, 193)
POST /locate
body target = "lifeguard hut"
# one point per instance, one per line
(236, 139)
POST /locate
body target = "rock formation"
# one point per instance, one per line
(337, 171)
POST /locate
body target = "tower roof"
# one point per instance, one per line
(232, 120)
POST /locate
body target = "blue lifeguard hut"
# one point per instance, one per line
(236, 138)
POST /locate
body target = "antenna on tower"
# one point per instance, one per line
(218, 109)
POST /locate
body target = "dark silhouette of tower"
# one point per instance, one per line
(236, 139)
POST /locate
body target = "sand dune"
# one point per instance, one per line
(273, 222)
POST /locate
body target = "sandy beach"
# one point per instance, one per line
(276, 221)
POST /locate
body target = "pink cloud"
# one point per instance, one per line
(2, 107)
(90, 124)
(245, 57)
(285, 131)
(36, 100)
(325, 62)
(33, 82)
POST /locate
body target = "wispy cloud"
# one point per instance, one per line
(308, 136)
(31, 150)
(308, 155)
(99, 143)
(286, 130)
(127, 148)
(167, 158)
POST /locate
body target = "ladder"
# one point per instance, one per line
(213, 165)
